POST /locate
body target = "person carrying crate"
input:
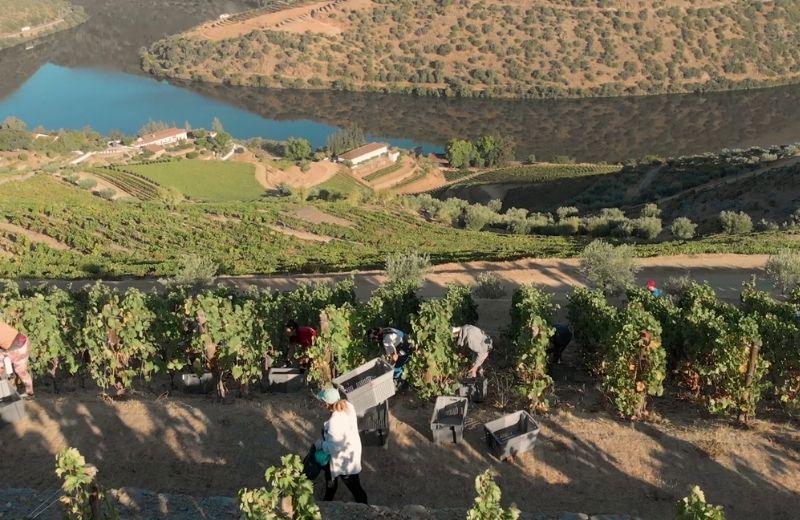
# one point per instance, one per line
(397, 347)
(477, 341)
(15, 351)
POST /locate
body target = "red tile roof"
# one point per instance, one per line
(161, 134)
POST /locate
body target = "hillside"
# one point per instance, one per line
(698, 187)
(517, 48)
(37, 17)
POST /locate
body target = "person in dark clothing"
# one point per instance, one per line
(300, 340)
(559, 342)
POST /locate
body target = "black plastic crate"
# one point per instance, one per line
(474, 388)
(511, 434)
(374, 427)
(286, 379)
(447, 421)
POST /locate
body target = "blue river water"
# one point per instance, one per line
(59, 97)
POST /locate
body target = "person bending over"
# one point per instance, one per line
(15, 348)
(477, 341)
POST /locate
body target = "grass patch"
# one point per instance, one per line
(212, 181)
(342, 183)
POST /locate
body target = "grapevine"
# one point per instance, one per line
(531, 313)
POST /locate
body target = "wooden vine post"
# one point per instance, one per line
(745, 414)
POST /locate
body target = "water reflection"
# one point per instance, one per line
(592, 129)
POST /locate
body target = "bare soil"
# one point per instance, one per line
(315, 215)
(303, 235)
(585, 458)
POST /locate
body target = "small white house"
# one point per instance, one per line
(25, 29)
(365, 153)
(224, 16)
(162, 138)
(393, 156)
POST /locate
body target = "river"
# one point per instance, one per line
(89, 75)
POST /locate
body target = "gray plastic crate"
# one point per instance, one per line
(286, 379)
(12, 408)
(474, 388)
(374, 426)
(447, 421)
(511, 434)
(368, 385)
(194, 384)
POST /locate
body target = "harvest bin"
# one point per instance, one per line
(286, 379)
(511, 434)
(194, 384)
(474, 388)
(12, 408)
(368, 385)
(447, 422)
(374, 426)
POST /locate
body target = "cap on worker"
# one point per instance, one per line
(455, 330)
(651, 284)
(329, 395)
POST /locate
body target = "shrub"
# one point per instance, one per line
(476, 217)
(407, 268)
(86, 184)
(677, 285)
(683, 228)
(304, 165)
(695, 507)
(192, 155)
(22, 156)
(734, 223)
(297, 149)
(607, 267)
(495, 205)
(489, 286)
(193, 270)
(784, 270)
(530, 159)
(566, 211)
(290, 494)
(487, 503)
(647, 227)
(171, 196)
(107, 193)
(650, 210)
(767, 225)
(563, 159)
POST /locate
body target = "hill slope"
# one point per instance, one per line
(514, 48)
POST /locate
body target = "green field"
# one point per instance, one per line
(210, 181)
(342, 183)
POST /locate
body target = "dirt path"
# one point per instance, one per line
(583, 460)
(33, 236)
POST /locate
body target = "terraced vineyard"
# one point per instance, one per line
(383, 172)
(537, 173)
(130, 182)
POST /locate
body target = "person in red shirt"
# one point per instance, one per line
(300, 340)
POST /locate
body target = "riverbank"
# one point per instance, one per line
(69, 16)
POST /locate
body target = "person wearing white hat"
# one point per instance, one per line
(477, 341)
(339, 449)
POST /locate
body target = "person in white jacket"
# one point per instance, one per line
(341, 446)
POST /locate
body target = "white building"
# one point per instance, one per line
(365, 153)
(162, 138)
